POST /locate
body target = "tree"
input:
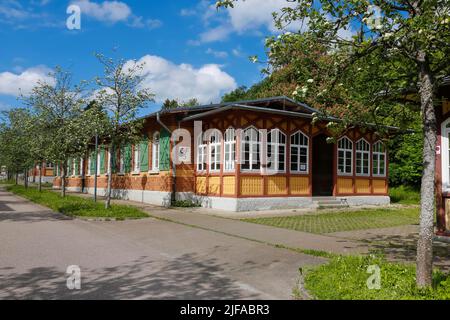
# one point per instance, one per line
(121, 96)
(59, 111)
(409, 42)
(174, 103)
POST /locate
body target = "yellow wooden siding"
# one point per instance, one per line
(276, 185)
(345, 185)
(229, 185)
(200, 186)
(379, 186)
(299, 185)
(251, 186)
(362, 185)
(214, 185)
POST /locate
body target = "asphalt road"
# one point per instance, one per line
(141, 259)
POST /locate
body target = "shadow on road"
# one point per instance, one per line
(186, 277)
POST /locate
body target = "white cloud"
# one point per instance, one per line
(246, 16)
(15, 83)
(183, 81)
(107, 11)
(187, 12)
(140, 22)
(217, 54)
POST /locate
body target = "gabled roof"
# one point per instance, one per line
(273, 105)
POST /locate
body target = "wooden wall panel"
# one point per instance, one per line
(379, 186)
(345, 185)
(362, 185)
(276, 185)
(200, 186)
(251, 186)
(214, 186)
(229, 185)
(447, 214)
(299, 185)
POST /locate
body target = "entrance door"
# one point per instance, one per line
(322, 166)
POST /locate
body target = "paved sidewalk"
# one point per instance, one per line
(251, 231)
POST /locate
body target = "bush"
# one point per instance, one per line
(77, 206)
(404, 195)
(185, 204)
(345, 278)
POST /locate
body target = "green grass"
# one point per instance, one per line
(343, 221)
(6, 182)
(345, 278)
(77, 206)
(185, 204)
(404, 195)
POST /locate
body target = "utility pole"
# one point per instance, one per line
(96, 167)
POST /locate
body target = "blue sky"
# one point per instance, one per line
(190, 49)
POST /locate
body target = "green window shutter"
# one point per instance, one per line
(92, 166)
(77, 167)
(69, 167)
(164, 153)
(102, 160)
(127, 158)
(114, 156)
(143, 152)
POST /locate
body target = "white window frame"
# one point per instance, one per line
(445, 159)
(201, 154)
(345, 151)
(81, 167)
(362, 153)
(122, 161)
(215, 144)
(275, 145)
(137, 159)
(73, 167)
(89, 173)
(230, 150)
(98, 161)
(155, 152)
(301, 146)
(378, 155)
(253, 167)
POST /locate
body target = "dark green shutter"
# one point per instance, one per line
(143, 152)
(69, 167)
(92, 166)
(127, 158)
(114, 155)
(102, 160)
(77, 167)
(164, 150)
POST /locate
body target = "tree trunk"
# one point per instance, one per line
(110, 171)
(427, 193)
(63, 181)
(25, 179)
(17, 178)
(40, 178)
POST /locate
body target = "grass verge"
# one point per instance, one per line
(76, 206)
(345, 278)
(404, 195)
(343, 221)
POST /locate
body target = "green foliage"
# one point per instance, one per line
(345, 278)
(185, 204)
(404, 195)
(174, 103)
(343, 221)
(77, 206)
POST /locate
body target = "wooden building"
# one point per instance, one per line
(48, 173)
(223, 163)
(443, 161)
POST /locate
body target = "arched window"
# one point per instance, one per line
(276, 151)
(155, 152)
(201, 153)
(230, 149)
(362, 158)
(299, 153)
(251, 149)
(215, 144)
(379, 159)
(345, 156)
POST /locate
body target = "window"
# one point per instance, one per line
(136, 159)
(49, 165)
(362, 158)
(122, 160)
(201, 154)
(299, 153)
(155, 152)
(230, 149)
(345, 156)
(251, 150)
(215, 142)
(99, 161)
(276, 151)
(379, 159)
(445, 153)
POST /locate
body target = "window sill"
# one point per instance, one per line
(135, 173)
(153, 172)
